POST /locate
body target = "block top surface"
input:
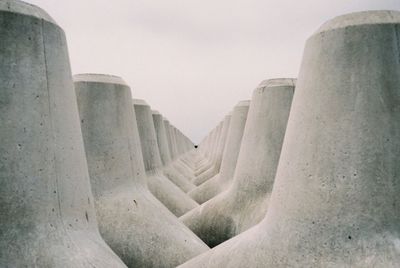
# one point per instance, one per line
(20, 7)
(99, 78)
(140, 102)
(278, 82)
(361, 18)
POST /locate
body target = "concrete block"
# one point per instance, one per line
(336, 197)
(166, 191)
(130, 217)
(245, 203)
(223, 179)
(47, 218)
(175, 176)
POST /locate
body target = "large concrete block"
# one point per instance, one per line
(222, 180)
(47, 218)
(166, 191)
(130, 217)
(245, 203)
(336, 199)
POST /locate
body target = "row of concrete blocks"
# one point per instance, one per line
(88, 176)
(311, 182)
(307, 173)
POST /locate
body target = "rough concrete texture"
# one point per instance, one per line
(162, 141)
(207, 151)
(177, 164)
(161, 137)
(210, 151)
(245, 203)
(217, 157)
(174, 147)
(130, 217)
(168, 134)
(204, 150)
(222, 180)
(336, 199)
(166, 191)
(47, 218)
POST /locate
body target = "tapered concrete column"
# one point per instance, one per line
(245, 203)
(130, 217)
(177, 178)
(166, 191)
(168, 134)
(336, 197)
(161, 138)
(219, 151)
(47, 218)
(221, 181)
(174, 148)
(178, 141)
(172, 143)
(181, 167)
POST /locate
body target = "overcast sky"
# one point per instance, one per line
(194, 60)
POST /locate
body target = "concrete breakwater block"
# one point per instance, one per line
(223, 179)
(177, 201)
(245, 203)
(133, 222)
(336, 199)
(47, 218)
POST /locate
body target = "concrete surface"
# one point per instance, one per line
(47, 218)
(131, 219)
(217, 157)
(160, 186)
(174, 175)
(223, 179)
(245, 203)
(336, 199)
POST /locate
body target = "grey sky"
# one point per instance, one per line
(194, 60)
